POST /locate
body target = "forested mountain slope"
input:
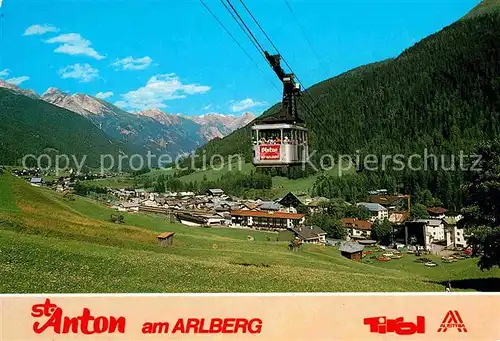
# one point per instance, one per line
(32, 126)
(442, 94)
(484, 7)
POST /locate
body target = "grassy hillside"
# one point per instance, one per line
(32, 126)
(440, 95)
(56, 245)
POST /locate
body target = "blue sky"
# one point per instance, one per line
(173, 55)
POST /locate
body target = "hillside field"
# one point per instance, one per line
(55, 245)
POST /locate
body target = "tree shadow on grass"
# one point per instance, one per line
(491, 284)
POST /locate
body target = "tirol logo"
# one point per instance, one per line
(452, 320)
(270, 152)
(383, 325)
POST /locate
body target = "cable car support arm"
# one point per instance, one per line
(291, 90)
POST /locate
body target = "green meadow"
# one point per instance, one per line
(53, 244)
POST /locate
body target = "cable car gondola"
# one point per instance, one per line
(281, 140)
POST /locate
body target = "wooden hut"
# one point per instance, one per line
(352, 251)
(166, 238)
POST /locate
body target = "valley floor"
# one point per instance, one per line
(55, 245)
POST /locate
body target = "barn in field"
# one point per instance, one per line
(352, 251)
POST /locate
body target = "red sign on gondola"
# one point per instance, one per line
(270, 152)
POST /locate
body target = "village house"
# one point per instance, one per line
(357, 228)
(455, 215)
(378, 192)
(290, 203)
(195, 219)
(310, 234)
(215, 192)
(173, 204)
(152, 196)
(316, 205)
(128, 207)
(135, 200)
(270, 206)
(393, 203)
(141, 193)
(377, 211)
(149, 203)
(248, 206)
(266, 219)
(161, 201)
(433, 231)
(455, 236)
(186, 195)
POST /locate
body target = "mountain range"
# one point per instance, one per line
(34, 127)
(150, 130)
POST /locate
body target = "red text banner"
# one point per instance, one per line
(237, 317)
(270, 151)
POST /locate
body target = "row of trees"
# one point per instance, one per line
(482, 207)
(234, 183)
(353, 187)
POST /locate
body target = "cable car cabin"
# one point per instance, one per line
(279, 144)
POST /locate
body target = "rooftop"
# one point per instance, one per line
(437, 210)
(129, 204)
(431, 222)
(263, 214)
(270, 205)
(216, 191)
(386, 199)
(398, 217)
(308, 232)
(372, 206)
(165, 235)
(359, 224)
(351, 248)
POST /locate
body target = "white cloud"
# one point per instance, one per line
(74, 44)
(1, 3)
(4, 73)
(40, 29)
(158, 89)
(245, 104)
(208, 107)
(104, 95)
(129, 63)
(85, 73)
(17, 80)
